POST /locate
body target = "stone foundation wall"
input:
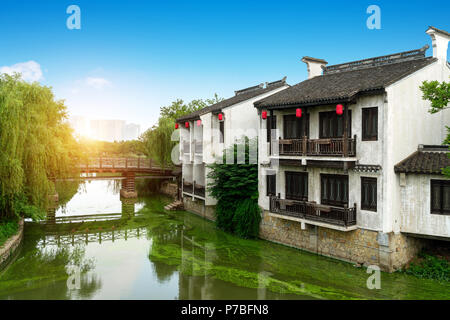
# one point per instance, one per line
(405, 248)
(198, 207)
(169, 188)
(9, 248)
(388, 251)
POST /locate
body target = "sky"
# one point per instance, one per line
(129, 58)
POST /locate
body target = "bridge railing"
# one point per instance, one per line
(119, 163)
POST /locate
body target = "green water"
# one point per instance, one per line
(147, 253)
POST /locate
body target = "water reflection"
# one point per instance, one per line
(134, 249)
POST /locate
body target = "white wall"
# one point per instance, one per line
(415, 208)
(408, 124)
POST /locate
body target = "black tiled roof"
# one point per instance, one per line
(360, 77)
(241, 95)
(427, 159)
(439, 30)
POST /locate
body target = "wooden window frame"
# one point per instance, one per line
(441, 184)
(304, 180)
(300, 122)
(271, 185)
(370, 113)
(269, 124)
(372, 183)
(324, 199)
(333, 116)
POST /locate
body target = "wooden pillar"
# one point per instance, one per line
(345, 135)
(271, 125)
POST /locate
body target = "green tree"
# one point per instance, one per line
(36, 144)
(438, 93)
(235, 186)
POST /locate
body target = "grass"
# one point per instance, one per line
(7, 229)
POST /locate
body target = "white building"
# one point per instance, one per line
(205, 133)
(335, 191)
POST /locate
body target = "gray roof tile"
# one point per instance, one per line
(345, 85)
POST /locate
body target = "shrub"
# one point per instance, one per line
(7, 229)
(246, 218)
(431, 267)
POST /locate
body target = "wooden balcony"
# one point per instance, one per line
(318, 147)
(338, 216)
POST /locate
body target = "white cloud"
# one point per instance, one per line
(30, 70)
(97, 83)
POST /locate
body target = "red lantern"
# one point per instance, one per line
(298, 113)
(199, 123)
(176, 125)
(339, 109)
(186, 124)
(264, 115)
(220, 116)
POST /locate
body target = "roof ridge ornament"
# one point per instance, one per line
(253, 88)
(377, 61)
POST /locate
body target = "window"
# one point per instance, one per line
(294, 128)
(271, 184)
(269, 123)
(369, 194)
(370, 124)
(222, 131)
(297, 185)
(331, 125)
(440, 197)
(334, 189)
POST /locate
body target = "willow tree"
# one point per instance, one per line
(36, 146)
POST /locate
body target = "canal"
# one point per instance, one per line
(113, 249)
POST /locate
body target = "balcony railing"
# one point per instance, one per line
(340, 216)
(317, 147)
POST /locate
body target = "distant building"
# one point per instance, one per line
(105, 130)
(132, 131)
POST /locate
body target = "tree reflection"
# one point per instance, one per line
(45, 270)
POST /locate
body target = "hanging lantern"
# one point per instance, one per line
(176, 125)
(199, 123)
(339, 109)
(186, 124)
(220, 116)
(264, 115)
(298, 113)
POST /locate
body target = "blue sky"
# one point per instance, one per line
(132, 57)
